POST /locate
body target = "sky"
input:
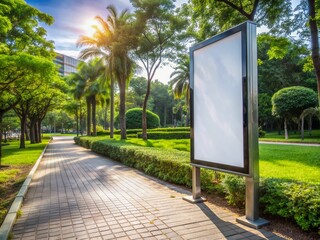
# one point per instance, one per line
(74, 18)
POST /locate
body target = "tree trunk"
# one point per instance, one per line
(36, 131)
(285, 129)
(80, 120)
(314, 42)
(94, 119)
(39, 131)
(111, 108)
(105, 119)
(144, 111)
(77, 119)
(122, 110)
(23, 124)
(27, 133)
(88, 117)
(32, 132)
(302, 128)
(310, 124)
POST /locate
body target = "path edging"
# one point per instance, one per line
(11, 216)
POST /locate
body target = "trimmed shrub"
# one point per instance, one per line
(235, 189)
(166, 135)
(298, 201)
(177, 129)
(134, 119)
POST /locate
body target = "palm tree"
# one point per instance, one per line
(180, 81)
(87, 83)
(112, 42)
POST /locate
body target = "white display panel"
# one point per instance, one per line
(218, 102)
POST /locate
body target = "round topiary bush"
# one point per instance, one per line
(134, 119)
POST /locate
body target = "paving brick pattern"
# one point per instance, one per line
(76, 194)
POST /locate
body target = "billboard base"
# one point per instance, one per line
(190, 199)
(256, 224)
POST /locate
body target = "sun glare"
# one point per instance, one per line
(88, 27)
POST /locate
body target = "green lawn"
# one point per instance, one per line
(18, 163)
(293, 137)
(48, 135)
(301, 163)
(12, 155)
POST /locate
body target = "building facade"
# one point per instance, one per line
(66, 64)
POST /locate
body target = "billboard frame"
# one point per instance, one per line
(250, 167)
(245, 170)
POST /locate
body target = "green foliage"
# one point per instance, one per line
(264, 107)
(20, 30)
(209, 17)
(235, 189)
(166, 135)
(299, 201)
(286, 69)
(291, 101)
(134, 119)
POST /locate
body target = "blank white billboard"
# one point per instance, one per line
(223, 107)
(218, 102)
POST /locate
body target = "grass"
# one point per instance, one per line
(48, 135)
(18, 163)
(293, 137)
(12, 155)
(299, 163)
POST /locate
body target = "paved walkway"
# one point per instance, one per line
(76, 194)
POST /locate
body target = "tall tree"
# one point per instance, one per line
(291, 102)
(24, 51)
(87, 83)
(157, 40)
(112, 41)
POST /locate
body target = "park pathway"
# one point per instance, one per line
(77, 194)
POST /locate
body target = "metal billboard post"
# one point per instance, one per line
(251, 218)
(224, 96)
(196, 187)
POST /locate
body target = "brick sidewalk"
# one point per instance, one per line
(76, 194)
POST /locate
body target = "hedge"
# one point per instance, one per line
(292, 200)
(177, 129)
(166, 135)
(135, 131)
